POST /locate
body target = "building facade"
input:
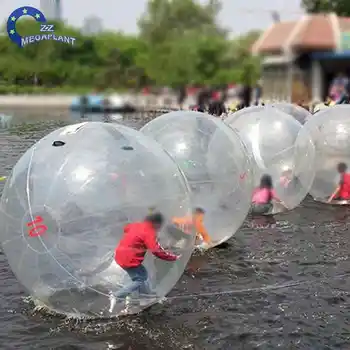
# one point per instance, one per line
(52, 9)
(300, 58)
(92, 25)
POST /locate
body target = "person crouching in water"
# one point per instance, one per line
(138, 238)
(263, 196)
(342, 192)
(196, 221)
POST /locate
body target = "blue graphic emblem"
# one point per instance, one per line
(18, 13)
(46, 29)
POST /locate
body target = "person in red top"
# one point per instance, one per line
(138, 238)
(342, 192)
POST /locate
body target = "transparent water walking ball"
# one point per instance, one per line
(270, 137)
(330, 132)
(216, 166)
(247, 110)
(65, 205)
(297, 112)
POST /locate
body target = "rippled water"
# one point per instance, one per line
(280, 284)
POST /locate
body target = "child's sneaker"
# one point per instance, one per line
(112, 302)
(146, 300)
(128, 304)
(203, 246)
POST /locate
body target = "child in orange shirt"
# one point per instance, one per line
(195, 221)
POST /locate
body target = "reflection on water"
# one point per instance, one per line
(5, 121)
(95, 117)
(280, 284)
(12, 118)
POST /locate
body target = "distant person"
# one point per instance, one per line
(341, 80)
(343, 97)
(342, 192)
(201, 108)
(224, 94)
(245, 96)
(203, 99)
(182, 96)
(138, 238)
(216, 106)
(337, 87)
(263, 196)
(257, 93)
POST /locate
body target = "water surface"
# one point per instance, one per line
(278, 284)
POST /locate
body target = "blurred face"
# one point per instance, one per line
(199, 215)
(341, 168)
(288, 173)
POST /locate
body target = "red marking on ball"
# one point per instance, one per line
(36, 227)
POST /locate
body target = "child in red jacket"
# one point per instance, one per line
(129, 255)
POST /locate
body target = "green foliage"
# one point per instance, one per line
(340, 7)
(167, 18)
(180, 43)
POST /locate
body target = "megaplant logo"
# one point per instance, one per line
(47, 31)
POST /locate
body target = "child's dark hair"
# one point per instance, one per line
(199, 210)
(155, 218)
(342, 167)
(266, 181)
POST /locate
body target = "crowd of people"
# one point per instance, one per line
(212, 99)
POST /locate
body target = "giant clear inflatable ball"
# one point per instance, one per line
(215, 163)
(247, 110)
(299, 113)
(330, 132)
(270, 137)
(64, 208)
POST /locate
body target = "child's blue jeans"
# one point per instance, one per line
(138, 276)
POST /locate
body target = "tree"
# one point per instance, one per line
(211, 52)
(172, 63)
(185, 42)
(165, 19)
(180, 44)
(340, 7)
(244, 68)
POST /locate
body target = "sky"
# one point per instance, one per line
(238, 16)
